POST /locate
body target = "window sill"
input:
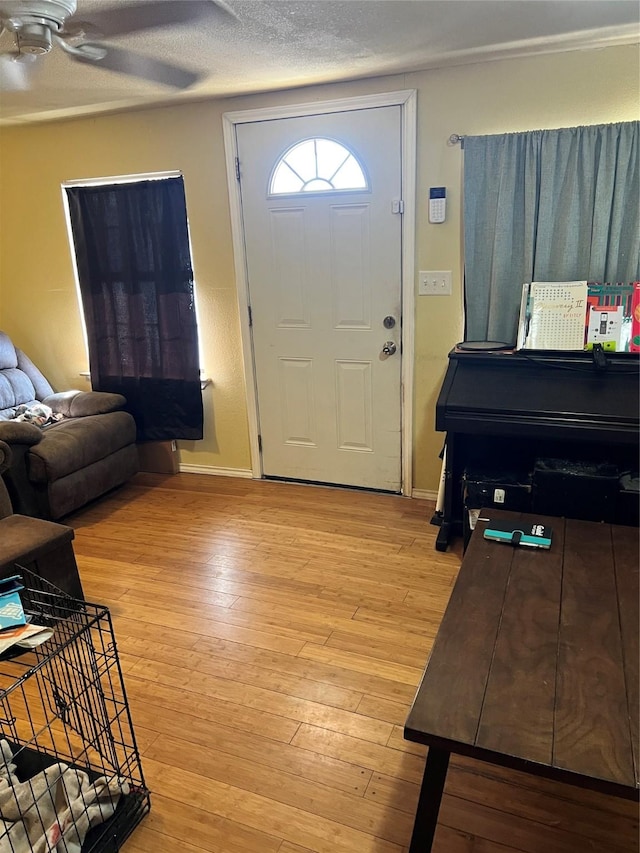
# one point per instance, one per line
(203, 382)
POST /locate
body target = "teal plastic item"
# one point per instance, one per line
(11, 610)
(519, 533)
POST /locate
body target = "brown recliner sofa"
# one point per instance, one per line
(59, 467)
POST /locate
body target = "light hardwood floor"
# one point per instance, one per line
(272, 637)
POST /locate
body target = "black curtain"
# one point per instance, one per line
(136, 281)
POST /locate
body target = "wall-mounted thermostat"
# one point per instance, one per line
(437, 204)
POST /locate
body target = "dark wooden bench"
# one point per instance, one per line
(535, 665)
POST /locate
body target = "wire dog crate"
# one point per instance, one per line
(70, 773)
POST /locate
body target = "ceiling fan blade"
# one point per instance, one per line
(133, 64)
(133, 17)
(14, 73)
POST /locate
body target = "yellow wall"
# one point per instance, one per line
(38, 304)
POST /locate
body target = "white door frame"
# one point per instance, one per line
(406, 100)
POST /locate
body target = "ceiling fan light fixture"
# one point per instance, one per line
(39, 25)
(33, 39)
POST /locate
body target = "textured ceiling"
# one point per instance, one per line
(277, 44)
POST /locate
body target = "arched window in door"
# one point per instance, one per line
(317, 165)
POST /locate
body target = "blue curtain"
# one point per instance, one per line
(549, 205)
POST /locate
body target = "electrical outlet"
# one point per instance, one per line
(434, 283)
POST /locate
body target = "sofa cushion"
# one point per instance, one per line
(43, 389)
(24, 379)
(15, 389)
(73, 444)
(8, 356)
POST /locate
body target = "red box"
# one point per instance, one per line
(634, 344)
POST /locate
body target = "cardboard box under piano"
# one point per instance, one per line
(159, 457)
(505, 489)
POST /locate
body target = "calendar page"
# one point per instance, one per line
(556, 313)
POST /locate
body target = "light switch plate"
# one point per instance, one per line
(434, 283)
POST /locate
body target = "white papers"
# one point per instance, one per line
(553, 315)
(26, 636)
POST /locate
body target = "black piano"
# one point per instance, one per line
(508, 410)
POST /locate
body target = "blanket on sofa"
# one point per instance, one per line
(36, 413)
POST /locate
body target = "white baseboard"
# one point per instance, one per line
(419, 494)
(216, 472)
(424, 495)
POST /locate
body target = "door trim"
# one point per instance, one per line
(407, 101)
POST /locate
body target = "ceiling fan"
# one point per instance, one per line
(38, 26)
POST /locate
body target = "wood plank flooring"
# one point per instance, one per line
(272, 637)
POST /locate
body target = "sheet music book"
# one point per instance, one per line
(613, 318)
(552, 315)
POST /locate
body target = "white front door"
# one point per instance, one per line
(324, 280)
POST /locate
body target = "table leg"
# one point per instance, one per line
(442, 539)
(435, 773)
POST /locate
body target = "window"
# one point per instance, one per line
(133, 262)
(317, 165)
(548, 206)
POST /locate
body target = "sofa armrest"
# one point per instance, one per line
(19, 432)
(79, 404)
(20, 495)
(5, 457)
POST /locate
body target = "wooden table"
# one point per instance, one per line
(535, 665)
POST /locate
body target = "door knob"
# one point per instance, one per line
(389, 348)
